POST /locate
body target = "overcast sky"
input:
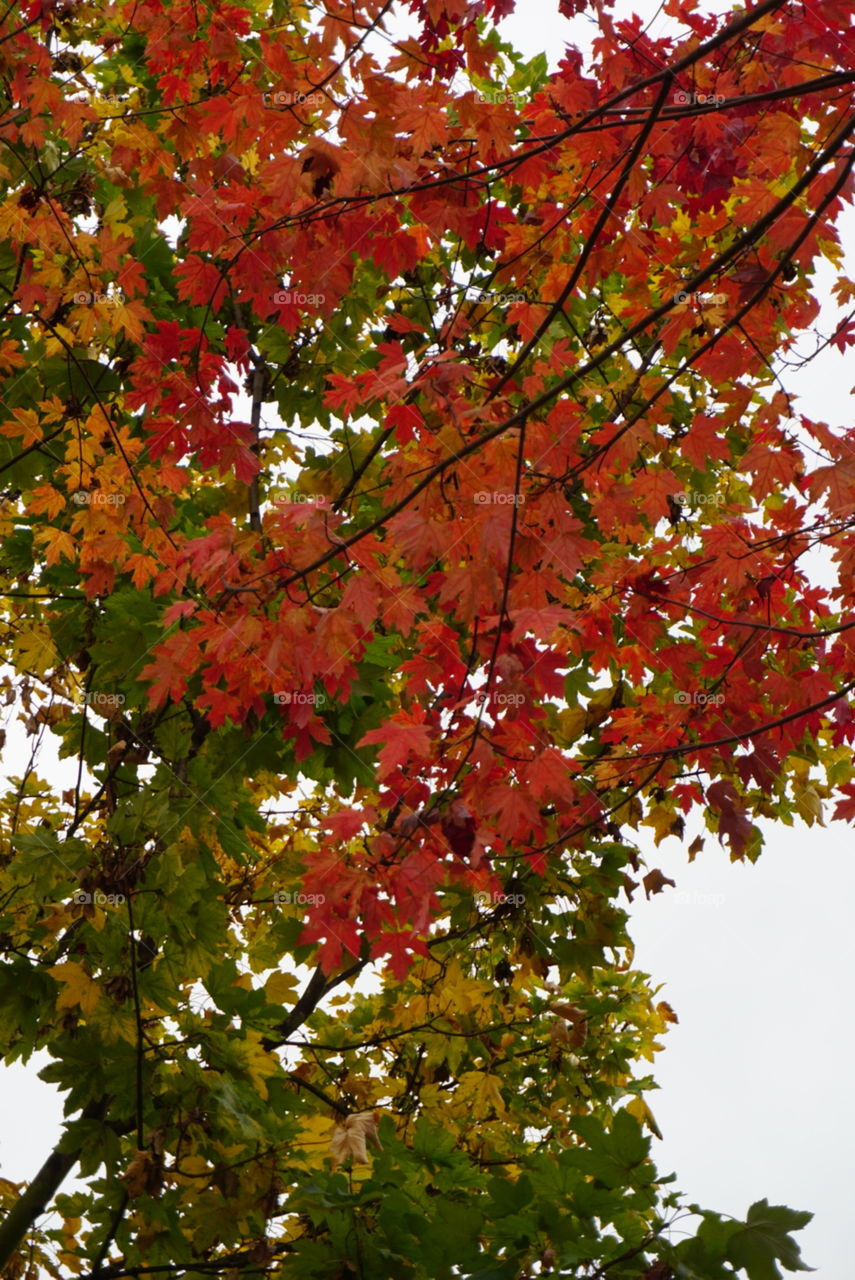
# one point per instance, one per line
(758, 962)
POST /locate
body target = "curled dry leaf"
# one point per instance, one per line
(559, 1037)
(143, 1174)
(353, 1136)
(576, 1019)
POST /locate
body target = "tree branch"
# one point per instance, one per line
(44, 1186)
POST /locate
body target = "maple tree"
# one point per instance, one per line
(403, 514)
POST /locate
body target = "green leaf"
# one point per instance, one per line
(765, 1239)
(628, 1140)
(509, 1197)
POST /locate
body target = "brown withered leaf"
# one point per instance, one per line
(116, 752)
(655, 882)
(559, 1037)
(695, 847)
(143, 1175)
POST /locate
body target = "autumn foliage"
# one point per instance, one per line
(405, 517)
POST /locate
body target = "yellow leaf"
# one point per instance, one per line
(260, 1064)
(128, 317)
(833, 252)
(86, 321)
(280, 988)
(483, 1092)
(61, 339)
(25, 425)
(664, 822)
(53, 409)
(312, 1142)
(462, 994)
(682, 224)
(57, 543)
(115, 211)
(78, 991)
(34, 651)
(809, 805)
(638, 1107)
(192, 1167)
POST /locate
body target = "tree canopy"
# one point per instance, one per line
(405, 514)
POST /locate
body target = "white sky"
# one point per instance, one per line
(757, 960)
(755, 1098)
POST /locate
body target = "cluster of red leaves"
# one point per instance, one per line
(516, 517)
